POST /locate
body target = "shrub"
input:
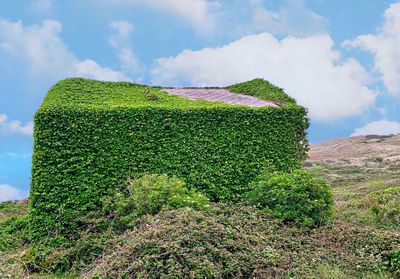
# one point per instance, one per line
(294, 197)
(90, 135)
(384, 206)
(226, 241)
(148, 195)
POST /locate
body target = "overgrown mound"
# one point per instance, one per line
(226, 241)
(190, 244)
(242, 242)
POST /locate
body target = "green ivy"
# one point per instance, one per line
(90, 136)
(262, 89)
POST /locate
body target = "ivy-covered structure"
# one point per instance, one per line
(91, 135)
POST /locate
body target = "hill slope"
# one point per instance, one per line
(357, 149)
(364, 173)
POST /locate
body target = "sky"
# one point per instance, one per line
(340, 59)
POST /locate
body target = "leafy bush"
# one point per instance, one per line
(90, 135)
(148, 195)
(384, 206)
(294, 197)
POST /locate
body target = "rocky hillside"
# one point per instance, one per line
(358, 150)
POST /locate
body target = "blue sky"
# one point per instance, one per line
(341, 58)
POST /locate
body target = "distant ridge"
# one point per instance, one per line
(357, 149)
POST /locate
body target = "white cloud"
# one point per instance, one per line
(308, 68)
(384, 45)
(42, 5)
(43, 52)
(9, 193)
(90, 69)
(15, 127)
(120, 40)
(292, 18)
(199, 13)
(381, 127)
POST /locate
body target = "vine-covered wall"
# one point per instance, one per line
(90, 136)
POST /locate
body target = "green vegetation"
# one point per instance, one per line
(215, 191)
(394, 260)
(189, 244)
(384, 205)
(145, 195)
(12, 209)
(365, 194)
(214, 240)
(264, 90)
(150, 193)
(13, 232)
(224, 241)
(90, 135)
(294, 197)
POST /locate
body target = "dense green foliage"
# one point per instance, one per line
(120, 211)
(395, 262)
(262, 89)
(294, 197)
(384, 205)
(13, 232)
(90, 135)
(13, 225)
(12, 209)
(239, 242)
(150, 193)
(145, 195)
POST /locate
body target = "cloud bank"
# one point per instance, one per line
(381, 127)
(385, 47)
(309, 69)
(43, 52)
